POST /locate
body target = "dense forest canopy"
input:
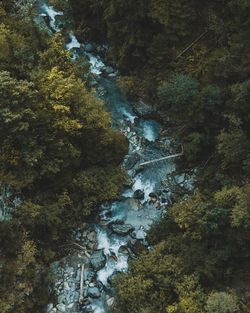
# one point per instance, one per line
(191, 59)
(58, 155)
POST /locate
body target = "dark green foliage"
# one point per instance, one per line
(201, 84)
(58, 154)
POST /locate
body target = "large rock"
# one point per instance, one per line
(61, 307)
(143, 110)
(109, 70)
(89, 47)
(131, 161)
(110, 301)
(139, 194)
(137, 246)
(49, 307)
(98, 260)
(123, 230)
(153, 197)
(94, 292)
(92, 236)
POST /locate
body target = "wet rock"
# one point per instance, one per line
(123, 230)
(49, 307)
(137, 246)
(76, 296)
(61, 307)
(94, 292)
(139, 194)
(91, 236)
(92, 246)
(113, 257)
(153, 197)
(131, 161)
(71, 306)
(143, 110)
(66, 285)
(110, 301)
(89, 47)
(111, 278)
(61, 299)
(98, 260)
(60, 21)
(109, 69)
(42, 21)
(123, 249)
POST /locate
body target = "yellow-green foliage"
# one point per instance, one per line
(57, 152)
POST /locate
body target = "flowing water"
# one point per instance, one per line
(145, 143)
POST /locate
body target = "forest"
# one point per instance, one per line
(57, 153)
(61, 158)
(192, 60)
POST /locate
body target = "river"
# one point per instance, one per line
(123, 225)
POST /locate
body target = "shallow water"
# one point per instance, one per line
(143, 136)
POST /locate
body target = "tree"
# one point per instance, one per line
(177, 96)
(222, 302)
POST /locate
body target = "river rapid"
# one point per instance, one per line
(83, 280)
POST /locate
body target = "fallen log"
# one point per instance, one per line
(161, 159)
(165, 158)
(81, 285)
(81, 247)
(192, 44)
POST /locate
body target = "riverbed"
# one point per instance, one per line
(83, 280)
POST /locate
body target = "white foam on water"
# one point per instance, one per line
(112, 266)
(147, 186)
(52, 13)
(97, 307)
(96, 64)
(130, 116)
(111, 246)
(128, 193)
(74, 43)
(150, 131)
(103, 241)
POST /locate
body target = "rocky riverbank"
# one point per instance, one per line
(82, 281)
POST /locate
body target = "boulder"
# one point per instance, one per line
(123, 230)
(66, 285)
(153, 197)
(139, 194)
(143, 110)
(109, 70)
(62, 299)
(60, 21)
(123, 249)
(98, 259)
(92, 236)
(94, 292)
(61, 307)
(110, 301)
(112, 277)
(70, 306)
(89, 47)
(49, 307)
(136, 246)
(131, 161)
